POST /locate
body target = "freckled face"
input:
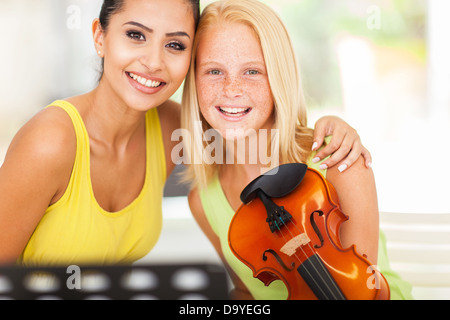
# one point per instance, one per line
(232, 84)
(147, 49)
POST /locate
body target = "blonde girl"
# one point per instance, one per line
(244, 80)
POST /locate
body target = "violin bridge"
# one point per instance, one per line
(292, 245)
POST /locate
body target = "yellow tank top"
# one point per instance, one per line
(76, 230)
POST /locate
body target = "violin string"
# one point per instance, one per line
(306, 257)
(299, 260)
(324, 269)
(314, 278)
(306, 269)
(321, 264)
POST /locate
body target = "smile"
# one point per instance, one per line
(234, 111)
(143, 81)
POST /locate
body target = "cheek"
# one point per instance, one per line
(263, 97)
(206, 92)
(206, 100)
(206, 110)
(179, 67)
(117, 56)
(268, 105)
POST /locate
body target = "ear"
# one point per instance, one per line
(98, 36)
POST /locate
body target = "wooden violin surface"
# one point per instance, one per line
(295, 238)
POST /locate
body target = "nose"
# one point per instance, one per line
(153, 58)
(233, 86)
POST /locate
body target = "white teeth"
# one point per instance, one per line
(233, 110)
(144, 81)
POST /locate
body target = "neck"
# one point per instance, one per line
(110, 121)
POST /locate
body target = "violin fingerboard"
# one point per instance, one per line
(319, 279)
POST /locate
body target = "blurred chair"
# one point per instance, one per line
(419, 250)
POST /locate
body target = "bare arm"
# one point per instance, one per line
(34, 175)
(358, 199)
(240, 291)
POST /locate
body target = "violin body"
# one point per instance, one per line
(304, 251)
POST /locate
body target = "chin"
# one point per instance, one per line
(143, 105)
(236, 134)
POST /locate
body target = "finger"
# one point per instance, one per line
(367, 157)
(339, 156)
(349, 161)
(318, 136)
(336, 142)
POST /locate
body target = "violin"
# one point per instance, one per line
(288, 229)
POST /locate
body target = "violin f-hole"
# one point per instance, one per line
(280, 261)
(316, 229)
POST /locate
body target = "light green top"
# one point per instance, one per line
(219, 214)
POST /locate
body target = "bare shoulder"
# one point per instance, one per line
(44, 148)
(49, 135)
(357, 175)
(354, 186)
(35, 173)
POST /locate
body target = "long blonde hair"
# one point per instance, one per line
(284, 79)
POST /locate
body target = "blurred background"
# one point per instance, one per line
(382, 65)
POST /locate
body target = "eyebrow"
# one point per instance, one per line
(149, 30)
(246, 63)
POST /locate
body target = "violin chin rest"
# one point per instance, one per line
(276, 183)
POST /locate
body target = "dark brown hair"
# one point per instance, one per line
(111, 7)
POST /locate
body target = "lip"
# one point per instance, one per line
(236, 117)
(143, 88)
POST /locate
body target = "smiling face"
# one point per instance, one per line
(232, 83)
(146, 49)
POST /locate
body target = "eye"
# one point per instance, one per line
(176, 46)
(252, 72)
(215, 72)
(135, 35)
